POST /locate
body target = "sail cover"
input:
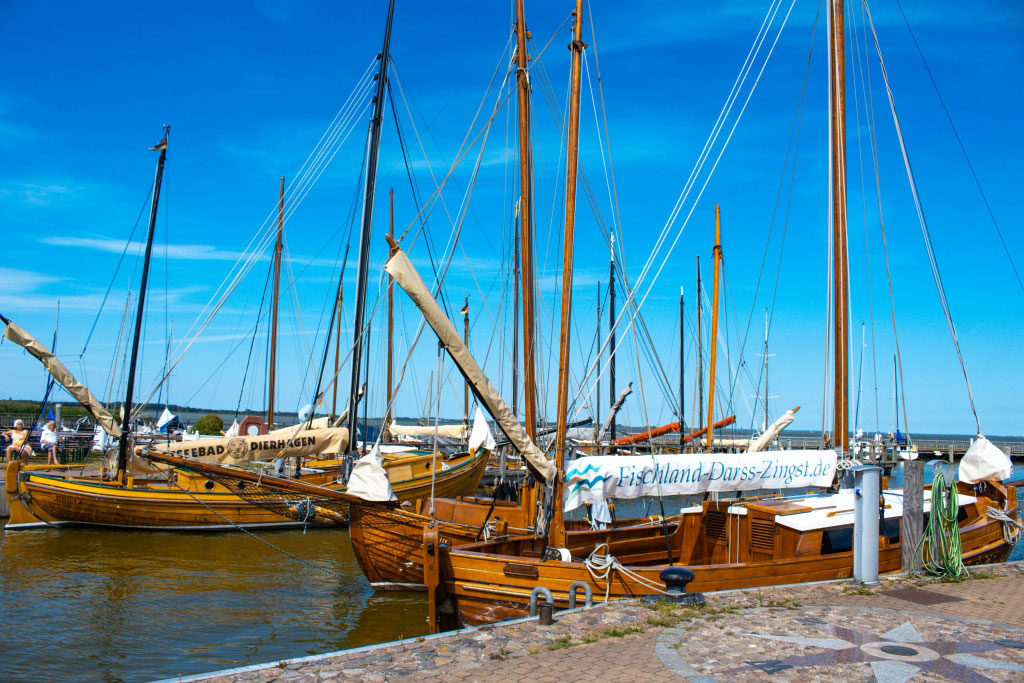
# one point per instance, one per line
(773, 430)
(447, 431)
(402, 270)
(984, 461)
(239, 449)
(595, 479)
(66, 379)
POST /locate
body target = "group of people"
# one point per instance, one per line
(21, 448)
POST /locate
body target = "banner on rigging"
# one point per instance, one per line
(595, 479)
(239, 449)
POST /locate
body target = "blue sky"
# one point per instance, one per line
(249, 88)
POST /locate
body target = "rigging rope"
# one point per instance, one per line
(925, 233)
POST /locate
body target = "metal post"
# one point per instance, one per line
(867, 487)
(56, 413)
(913, 515)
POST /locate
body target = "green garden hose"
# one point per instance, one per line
(943, 554)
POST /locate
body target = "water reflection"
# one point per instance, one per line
(110, 605)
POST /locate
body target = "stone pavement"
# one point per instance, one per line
(903, 629)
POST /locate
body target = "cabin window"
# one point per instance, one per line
(837, 540)
(891, 530)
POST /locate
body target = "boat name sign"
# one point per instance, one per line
(595, 479)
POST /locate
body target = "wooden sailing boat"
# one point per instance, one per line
(726, 545)
(180, 499)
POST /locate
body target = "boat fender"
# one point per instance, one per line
(540, 590)
(588, 594)
(563, 554)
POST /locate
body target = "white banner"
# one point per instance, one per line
(595, 479)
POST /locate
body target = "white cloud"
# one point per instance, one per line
(13, 280)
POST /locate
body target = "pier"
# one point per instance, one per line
(972, 630)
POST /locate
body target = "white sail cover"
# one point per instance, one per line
(402, 270)
(66, 379)
(481, 436)
(984, 461)
(164, 418)
(369, 480)
(773, 430)
(592, 480)
(447, 431)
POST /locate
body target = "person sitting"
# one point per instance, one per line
(19, 442)
(48, 442)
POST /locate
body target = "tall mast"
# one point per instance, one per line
(373, 147)
(714, 326)
(391, 311)
(526, 220)
(557, 534)
(765, 355)
(272, 371)
(122, 449)
(860, 379)
(515, 315)
(337, 349)
(700, 347)
(895, 394)
(465, 340)
(611, 337)
(682, 371)
(597, 385)
(840, 269)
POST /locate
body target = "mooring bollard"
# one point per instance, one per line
(912, 525)
(867, 489)
(549, 602)
(588, 594)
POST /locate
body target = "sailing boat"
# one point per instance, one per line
(146, 497)
(725, 544)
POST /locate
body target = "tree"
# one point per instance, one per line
(209, 424)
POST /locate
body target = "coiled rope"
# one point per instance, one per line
(1011, 527)
(601, 566)
(944, 554)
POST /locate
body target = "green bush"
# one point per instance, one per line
(210, 424)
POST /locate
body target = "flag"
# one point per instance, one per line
(160, 145)
(465, 307)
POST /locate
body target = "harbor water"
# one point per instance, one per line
(106, 605)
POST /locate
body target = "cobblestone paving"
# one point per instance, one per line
(840, 629)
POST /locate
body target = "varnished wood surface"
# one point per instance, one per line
(492, 581)
(38, 499)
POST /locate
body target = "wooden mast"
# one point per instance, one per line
(515, 314)
(126, 431)
(700, 346)
(272, 370)
(840, 266)
(373, 147)
(465, 340)
(556, 533)
(682, 368)
(337, 351)
(526, 220)
(714, 326)
(391, 310)
(612, 398)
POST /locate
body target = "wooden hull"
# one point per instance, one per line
(39, 500)
(489, 582)
(388, 543)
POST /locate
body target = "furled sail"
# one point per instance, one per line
(402, 270)
(447, 431)
(773, 430)
(60, 373)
